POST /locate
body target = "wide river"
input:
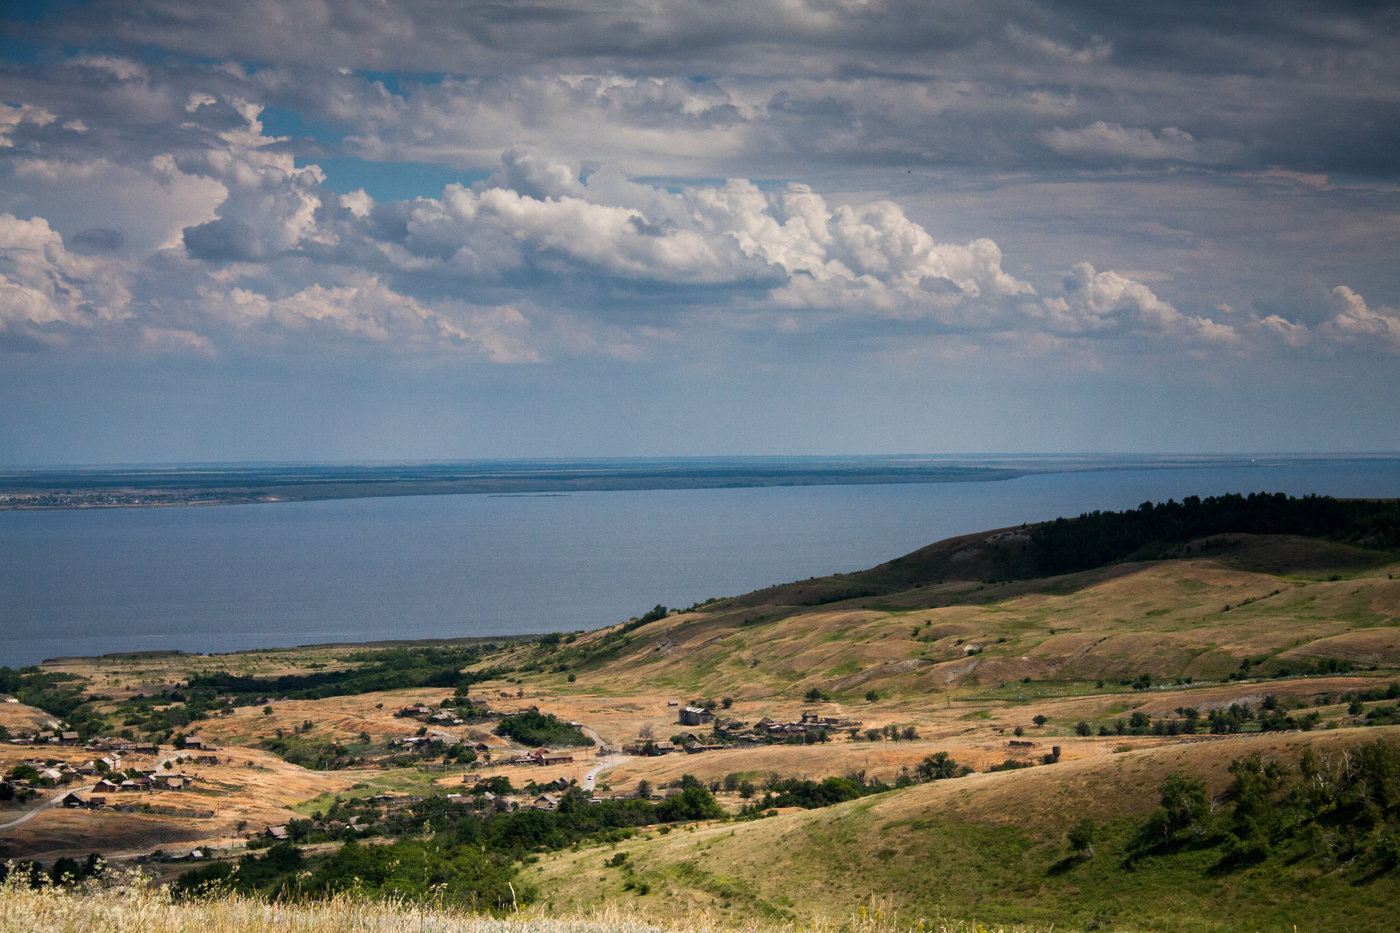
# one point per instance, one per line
(223, 578)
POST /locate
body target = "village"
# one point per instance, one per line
(187, 778)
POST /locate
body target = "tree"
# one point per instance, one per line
(1018, 731)
(267, 711)
(731, 782)
(1185, 808)
(644, 789)
(938, 767)
(727, 702)
(693, 803)
(1040, 720)
(815, 696)
(872, 695)
(746, 789)
(1083, 728)
(910, 733)
(1082, 836)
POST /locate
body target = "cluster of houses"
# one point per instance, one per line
(432, 715)
(810, 722)
(114, 775)
(120, 745)
(734, 733)
(542, 757)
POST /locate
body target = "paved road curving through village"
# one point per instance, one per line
(51, 802)
(604, 764)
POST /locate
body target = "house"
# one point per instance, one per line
(481, 748)
(50, 775)
(278, 832)
(96, 803)
(195, 743)
(545, 802)
(543, 756)
(105, 786)
(72, 802)
(696, 716)
(68, 738)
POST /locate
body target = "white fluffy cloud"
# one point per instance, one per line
(1354, 321)
(1111, 302)
(526, 264)
(371, 310)
(43, 284)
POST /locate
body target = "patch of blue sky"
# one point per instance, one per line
(391, 181)
(18, 50)
(283, 121)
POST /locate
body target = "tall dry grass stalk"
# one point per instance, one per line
(131, 904)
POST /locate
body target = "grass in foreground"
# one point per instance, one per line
(128, 904)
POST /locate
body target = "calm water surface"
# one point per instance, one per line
(223, 578)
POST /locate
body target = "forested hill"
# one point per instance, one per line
(1097, 539)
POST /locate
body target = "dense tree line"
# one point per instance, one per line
(59, 694)
(388, 669)
(408, 869)
(1332, 810)
(467, 860)
(1098, 538)
(541, 729)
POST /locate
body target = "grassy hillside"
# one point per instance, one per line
(1279, 603)
(994, 846)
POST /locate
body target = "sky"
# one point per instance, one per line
(319, 230)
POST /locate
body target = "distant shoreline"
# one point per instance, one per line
(109, 488)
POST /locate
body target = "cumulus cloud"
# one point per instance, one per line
(1111, 302)
(270, 206)
(1291, 333)
(1354, 321)
(44, 287)
(371, 310)
(543, 257)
